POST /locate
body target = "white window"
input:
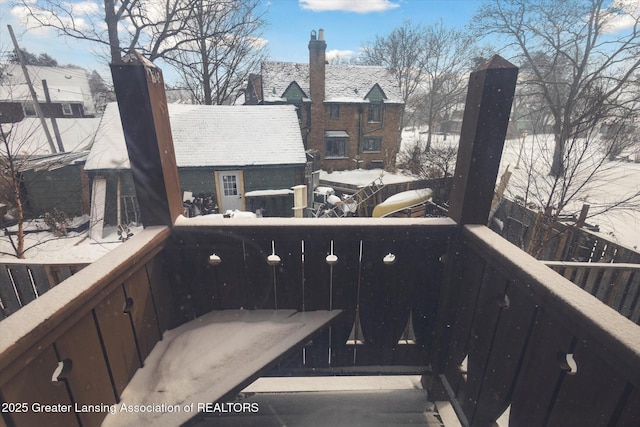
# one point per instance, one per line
(66, 110)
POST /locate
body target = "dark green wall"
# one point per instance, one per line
(271, 178)
(60, 189)
(201, 180)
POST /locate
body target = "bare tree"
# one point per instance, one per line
(404, 52)
(150, 26)
(445, 83)
(10, 185)
(221, 46)
(213, 44)
(429, 63)
(587, 63)
(587, 167)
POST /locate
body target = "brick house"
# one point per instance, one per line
(349, 115)
(69, 92)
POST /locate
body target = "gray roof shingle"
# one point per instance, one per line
(205, 135)
(343, 83)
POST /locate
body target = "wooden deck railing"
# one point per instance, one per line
(385, 272)
(500, 329)
(615, 284)
(523, 337)
(531, 339)
(22, 281)
(76, 347)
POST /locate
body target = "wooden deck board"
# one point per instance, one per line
(206, 359)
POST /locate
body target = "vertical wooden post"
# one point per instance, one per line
(139, 88)
(484, 127)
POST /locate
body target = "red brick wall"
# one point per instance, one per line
(355, 124)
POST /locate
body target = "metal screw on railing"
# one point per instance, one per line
(214, 260)
(389, 259)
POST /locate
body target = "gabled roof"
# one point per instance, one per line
(213, 136)
(343, 83)
(28, 138)
(66, 85)
(295, 93)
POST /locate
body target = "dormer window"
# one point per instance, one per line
(376, 98)
(375, 113)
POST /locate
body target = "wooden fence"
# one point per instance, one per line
(22, 281)
(615, 284)
(567, 243)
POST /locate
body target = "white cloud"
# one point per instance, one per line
(626, 15)
(335, 55)
(82, 7)
(30, 19)
(357, 6)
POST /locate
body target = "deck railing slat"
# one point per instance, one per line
(545, 390)
(88, 379)
(118, 338)
(481, 342)
(142, 313)
(34, 386)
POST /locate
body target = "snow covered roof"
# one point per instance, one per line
(66, 85)
(206, 135)
(343, 83)
(27, 137)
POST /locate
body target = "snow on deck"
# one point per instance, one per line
(203, 360)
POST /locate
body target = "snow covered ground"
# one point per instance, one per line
(616, 181)
(76, 247)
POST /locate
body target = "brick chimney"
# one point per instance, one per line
(317, 65)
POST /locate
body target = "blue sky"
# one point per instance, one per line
(345, 30)
(347, 24)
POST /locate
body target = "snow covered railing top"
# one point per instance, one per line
(91, 332)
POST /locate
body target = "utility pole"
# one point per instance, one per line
(54, 123)
(32, 90)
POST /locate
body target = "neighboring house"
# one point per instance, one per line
(51, 180)
(55, 181)
(349, 115)
(245, 157)
(68, 88)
